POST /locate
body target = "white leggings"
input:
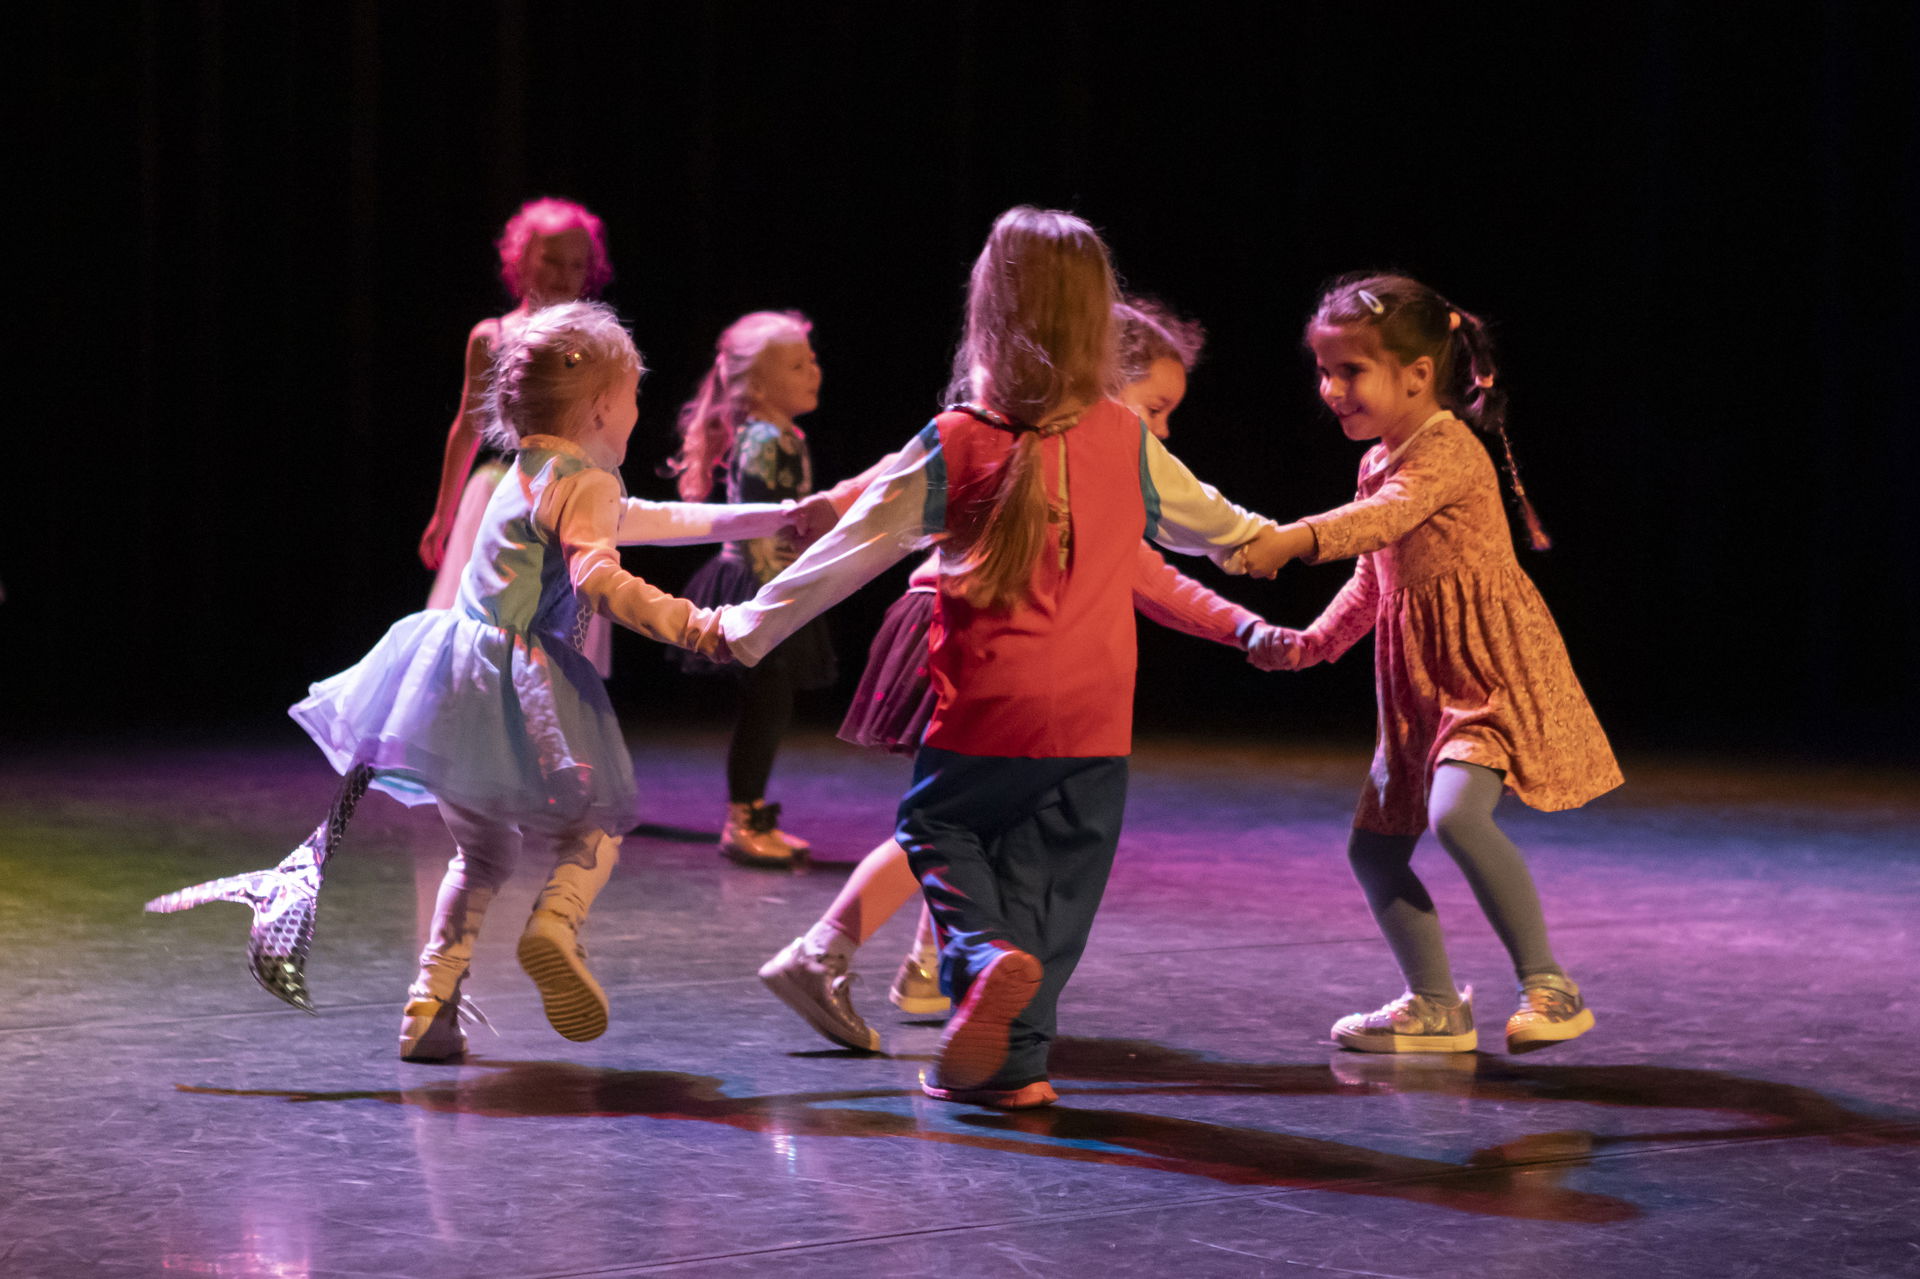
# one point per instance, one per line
(486, 849)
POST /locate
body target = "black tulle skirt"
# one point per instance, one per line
(806, 656)
(895, 700)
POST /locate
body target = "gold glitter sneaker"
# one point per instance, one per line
(819, 988)
(916, 989)
(1411, 1024)
(1551, 1012)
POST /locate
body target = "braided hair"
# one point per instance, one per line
(1412, 320)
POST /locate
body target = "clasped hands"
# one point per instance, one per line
(1270, 549)
(810, 518)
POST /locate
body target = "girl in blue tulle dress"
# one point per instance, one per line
(489, 709)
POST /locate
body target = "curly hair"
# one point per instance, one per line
(550, 216)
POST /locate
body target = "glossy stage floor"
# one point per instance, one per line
(1748, 1105)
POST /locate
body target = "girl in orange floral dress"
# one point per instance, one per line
(1476, 693)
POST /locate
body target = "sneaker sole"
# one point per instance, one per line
(790, 992)
(1025, 1098)
(740, 857)
(1408, 1043)
(576, 1007)
(422, 1052)
(1547, 1034)
(975, 1044)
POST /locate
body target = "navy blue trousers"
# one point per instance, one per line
(1013, 853)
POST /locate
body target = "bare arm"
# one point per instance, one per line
(463, 442)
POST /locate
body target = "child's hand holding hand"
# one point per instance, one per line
(705, 637)
(1270, 550)
(1278, 648)
(810, 519)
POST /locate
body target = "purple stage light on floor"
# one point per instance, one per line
(283, 899)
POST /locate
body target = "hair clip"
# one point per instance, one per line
(573, 355)
(1371, 302)
(1453, 321)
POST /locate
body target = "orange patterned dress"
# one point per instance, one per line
(1467, 661)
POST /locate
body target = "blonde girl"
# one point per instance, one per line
(550, 251)
(488, 709)
(741, 424)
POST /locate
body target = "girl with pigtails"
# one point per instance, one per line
(741, 423)
(489, 709)
(1476, 694)
(1036, 488)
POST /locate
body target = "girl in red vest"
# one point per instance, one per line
(1036, 488)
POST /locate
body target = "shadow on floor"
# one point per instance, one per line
(1519, 1180)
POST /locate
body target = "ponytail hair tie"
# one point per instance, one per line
(1484, 382)
(1371, 302)
(1453, 321)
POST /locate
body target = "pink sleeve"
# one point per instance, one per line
(1435, 472)
(1165, 595)
(1350, 615)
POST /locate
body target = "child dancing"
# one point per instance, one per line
(1039, 490)
(895, 700)
(741, 420)
(1476, 694)
(488, 709)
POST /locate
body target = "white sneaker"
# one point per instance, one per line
(1411, 1024)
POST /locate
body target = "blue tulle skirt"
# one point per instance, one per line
(449, 707)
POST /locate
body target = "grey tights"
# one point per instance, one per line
(1460, 806)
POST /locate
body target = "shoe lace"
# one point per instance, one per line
(465, 1010)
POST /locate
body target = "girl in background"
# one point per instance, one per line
(488, 709)
(895, 700)
(551, 251)
(741, 422)
(1475, 690)
(1037, 489)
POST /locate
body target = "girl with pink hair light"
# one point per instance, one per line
(551, 251)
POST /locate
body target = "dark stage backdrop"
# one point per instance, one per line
(257, 235)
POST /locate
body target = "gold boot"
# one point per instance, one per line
(752, 836)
